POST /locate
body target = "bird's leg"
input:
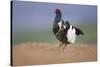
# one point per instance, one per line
(64, 47)
(60, 44)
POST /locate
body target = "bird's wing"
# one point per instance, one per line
(78, 31)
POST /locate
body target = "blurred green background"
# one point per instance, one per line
(90, 35)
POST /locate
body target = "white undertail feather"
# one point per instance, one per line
(71, 34)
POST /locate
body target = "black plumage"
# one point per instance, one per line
(56, 29)
(62, 29)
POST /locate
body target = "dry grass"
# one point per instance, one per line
(46, 53)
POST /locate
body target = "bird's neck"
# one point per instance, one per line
(58, 18)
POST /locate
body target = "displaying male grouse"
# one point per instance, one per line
(64, 32)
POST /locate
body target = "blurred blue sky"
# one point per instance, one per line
(38, 15)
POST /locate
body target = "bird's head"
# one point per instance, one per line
(57, 11)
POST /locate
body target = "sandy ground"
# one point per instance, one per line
(46, 53)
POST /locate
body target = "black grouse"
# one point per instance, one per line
(64, 32)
